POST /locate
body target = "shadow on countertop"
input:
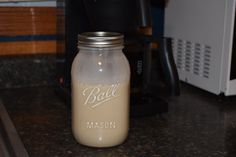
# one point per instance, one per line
(198, 124)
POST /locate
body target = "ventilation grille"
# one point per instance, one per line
(192, 57)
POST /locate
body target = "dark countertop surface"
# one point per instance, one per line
(198, 124)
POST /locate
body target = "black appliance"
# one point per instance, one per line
(125, 17)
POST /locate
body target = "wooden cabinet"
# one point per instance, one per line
(27, 30)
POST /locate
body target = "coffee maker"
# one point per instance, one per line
(126, 17)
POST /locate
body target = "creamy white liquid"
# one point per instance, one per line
(100, 114)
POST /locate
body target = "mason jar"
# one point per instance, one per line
(100, 90)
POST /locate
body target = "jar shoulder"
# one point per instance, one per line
(101, 67)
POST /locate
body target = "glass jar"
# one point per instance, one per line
(100, 90)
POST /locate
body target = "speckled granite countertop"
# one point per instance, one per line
(198, 125)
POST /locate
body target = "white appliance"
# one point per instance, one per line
(203, 43)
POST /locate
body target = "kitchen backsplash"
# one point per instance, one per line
(31, 70)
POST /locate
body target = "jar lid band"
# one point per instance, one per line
(100, 39)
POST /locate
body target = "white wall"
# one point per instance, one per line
(28, 3)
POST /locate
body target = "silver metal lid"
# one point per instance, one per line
(100, 39)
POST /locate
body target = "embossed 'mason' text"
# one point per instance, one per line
(101, 125)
